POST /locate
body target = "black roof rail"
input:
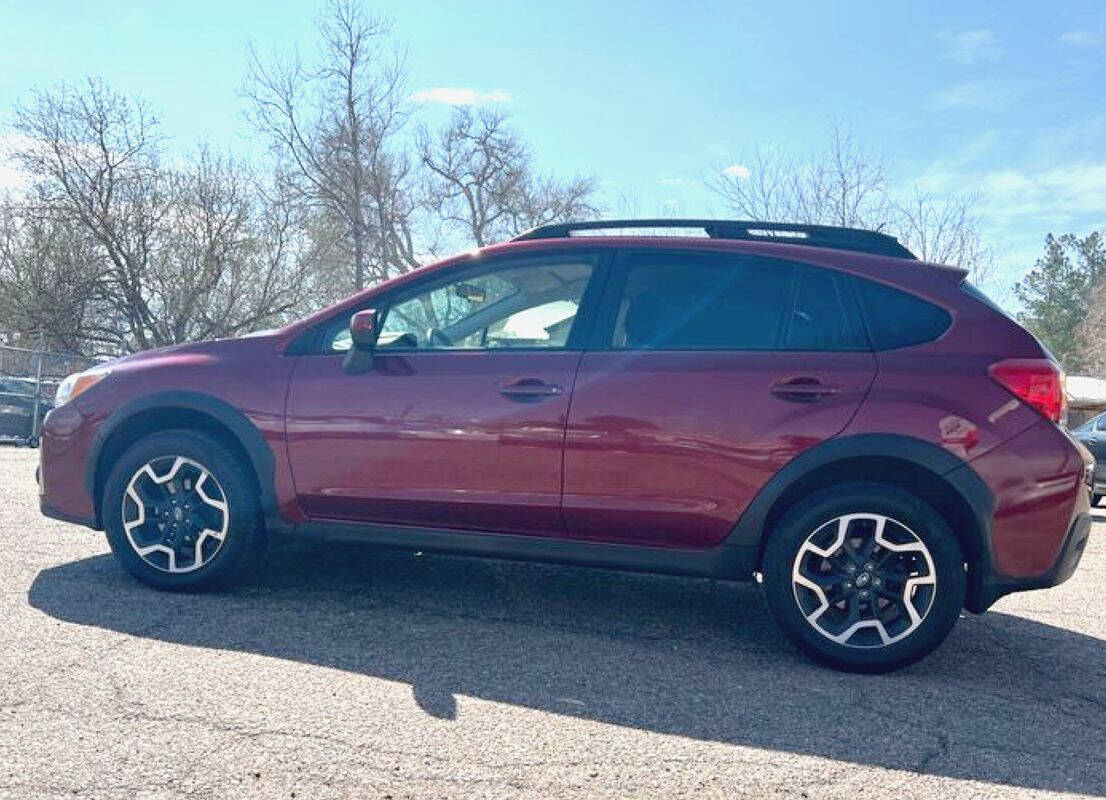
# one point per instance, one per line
(855, 239)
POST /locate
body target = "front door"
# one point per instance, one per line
(708, 374)
(461, 422)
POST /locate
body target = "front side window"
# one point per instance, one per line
(673, 301)
(525, 306)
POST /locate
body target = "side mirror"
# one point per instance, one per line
(364, 327)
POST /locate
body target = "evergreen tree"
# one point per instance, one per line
(1055, 294)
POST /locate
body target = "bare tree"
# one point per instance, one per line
(334, 125)
(845, 185)
(229, 261)
(93, 155)
(848, 186)
(482, 183)
(180, 253)
(944, 231)
(50, 268)
(1091, 334)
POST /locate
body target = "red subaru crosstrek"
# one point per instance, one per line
(863, 433)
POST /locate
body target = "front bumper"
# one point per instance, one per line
(55, 513)
(63, 454)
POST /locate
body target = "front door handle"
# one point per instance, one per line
(529, 389)
(804, 390)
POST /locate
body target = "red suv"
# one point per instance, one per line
(810, 407)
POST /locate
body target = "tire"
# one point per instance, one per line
(204, 534)
(917, 610)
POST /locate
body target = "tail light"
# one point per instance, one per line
(1037, 382)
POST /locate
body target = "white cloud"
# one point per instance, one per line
(736, 171)
(11, 177)
(460, 96)
(1064, 192)
(673, 182)
(1083, 38)
(974, 94)
(1018, 205)
(972, 47)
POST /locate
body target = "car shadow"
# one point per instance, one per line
(1005, 700)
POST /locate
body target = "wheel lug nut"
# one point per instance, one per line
(851, 568)
(864, 593)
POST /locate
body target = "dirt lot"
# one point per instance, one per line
(344, 671)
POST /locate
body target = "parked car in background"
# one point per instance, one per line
(19, 411)
(1092, 434)
(811, 407)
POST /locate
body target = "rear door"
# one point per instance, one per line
(707, 373)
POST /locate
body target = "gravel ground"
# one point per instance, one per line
(345, 671)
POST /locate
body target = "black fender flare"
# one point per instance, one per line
(751, 529)
(233, 419)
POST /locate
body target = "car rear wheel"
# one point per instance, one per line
(180, 511)
(864, 577)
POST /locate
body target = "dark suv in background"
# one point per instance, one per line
(810, 407)
(23, 408)
(1092, 434)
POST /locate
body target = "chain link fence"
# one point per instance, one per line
(28, 381)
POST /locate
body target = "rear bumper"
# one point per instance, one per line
(1041, 482)
(992, 587)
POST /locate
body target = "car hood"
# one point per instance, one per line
(189, 351)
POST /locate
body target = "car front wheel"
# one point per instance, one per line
(864, 577)
(180, 511)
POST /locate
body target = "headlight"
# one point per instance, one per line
(77, 383)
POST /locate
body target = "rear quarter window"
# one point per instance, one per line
(897, 319)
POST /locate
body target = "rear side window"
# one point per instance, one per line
(897, 319)
(675, 301)
(818, 320)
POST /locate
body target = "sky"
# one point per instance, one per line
(650, 98)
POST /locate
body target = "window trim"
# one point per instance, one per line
(311, 342)
(602, 334)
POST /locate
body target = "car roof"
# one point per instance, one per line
(829, 236)
(896, 271)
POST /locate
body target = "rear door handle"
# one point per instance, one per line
(804, 390)
(529, 389)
